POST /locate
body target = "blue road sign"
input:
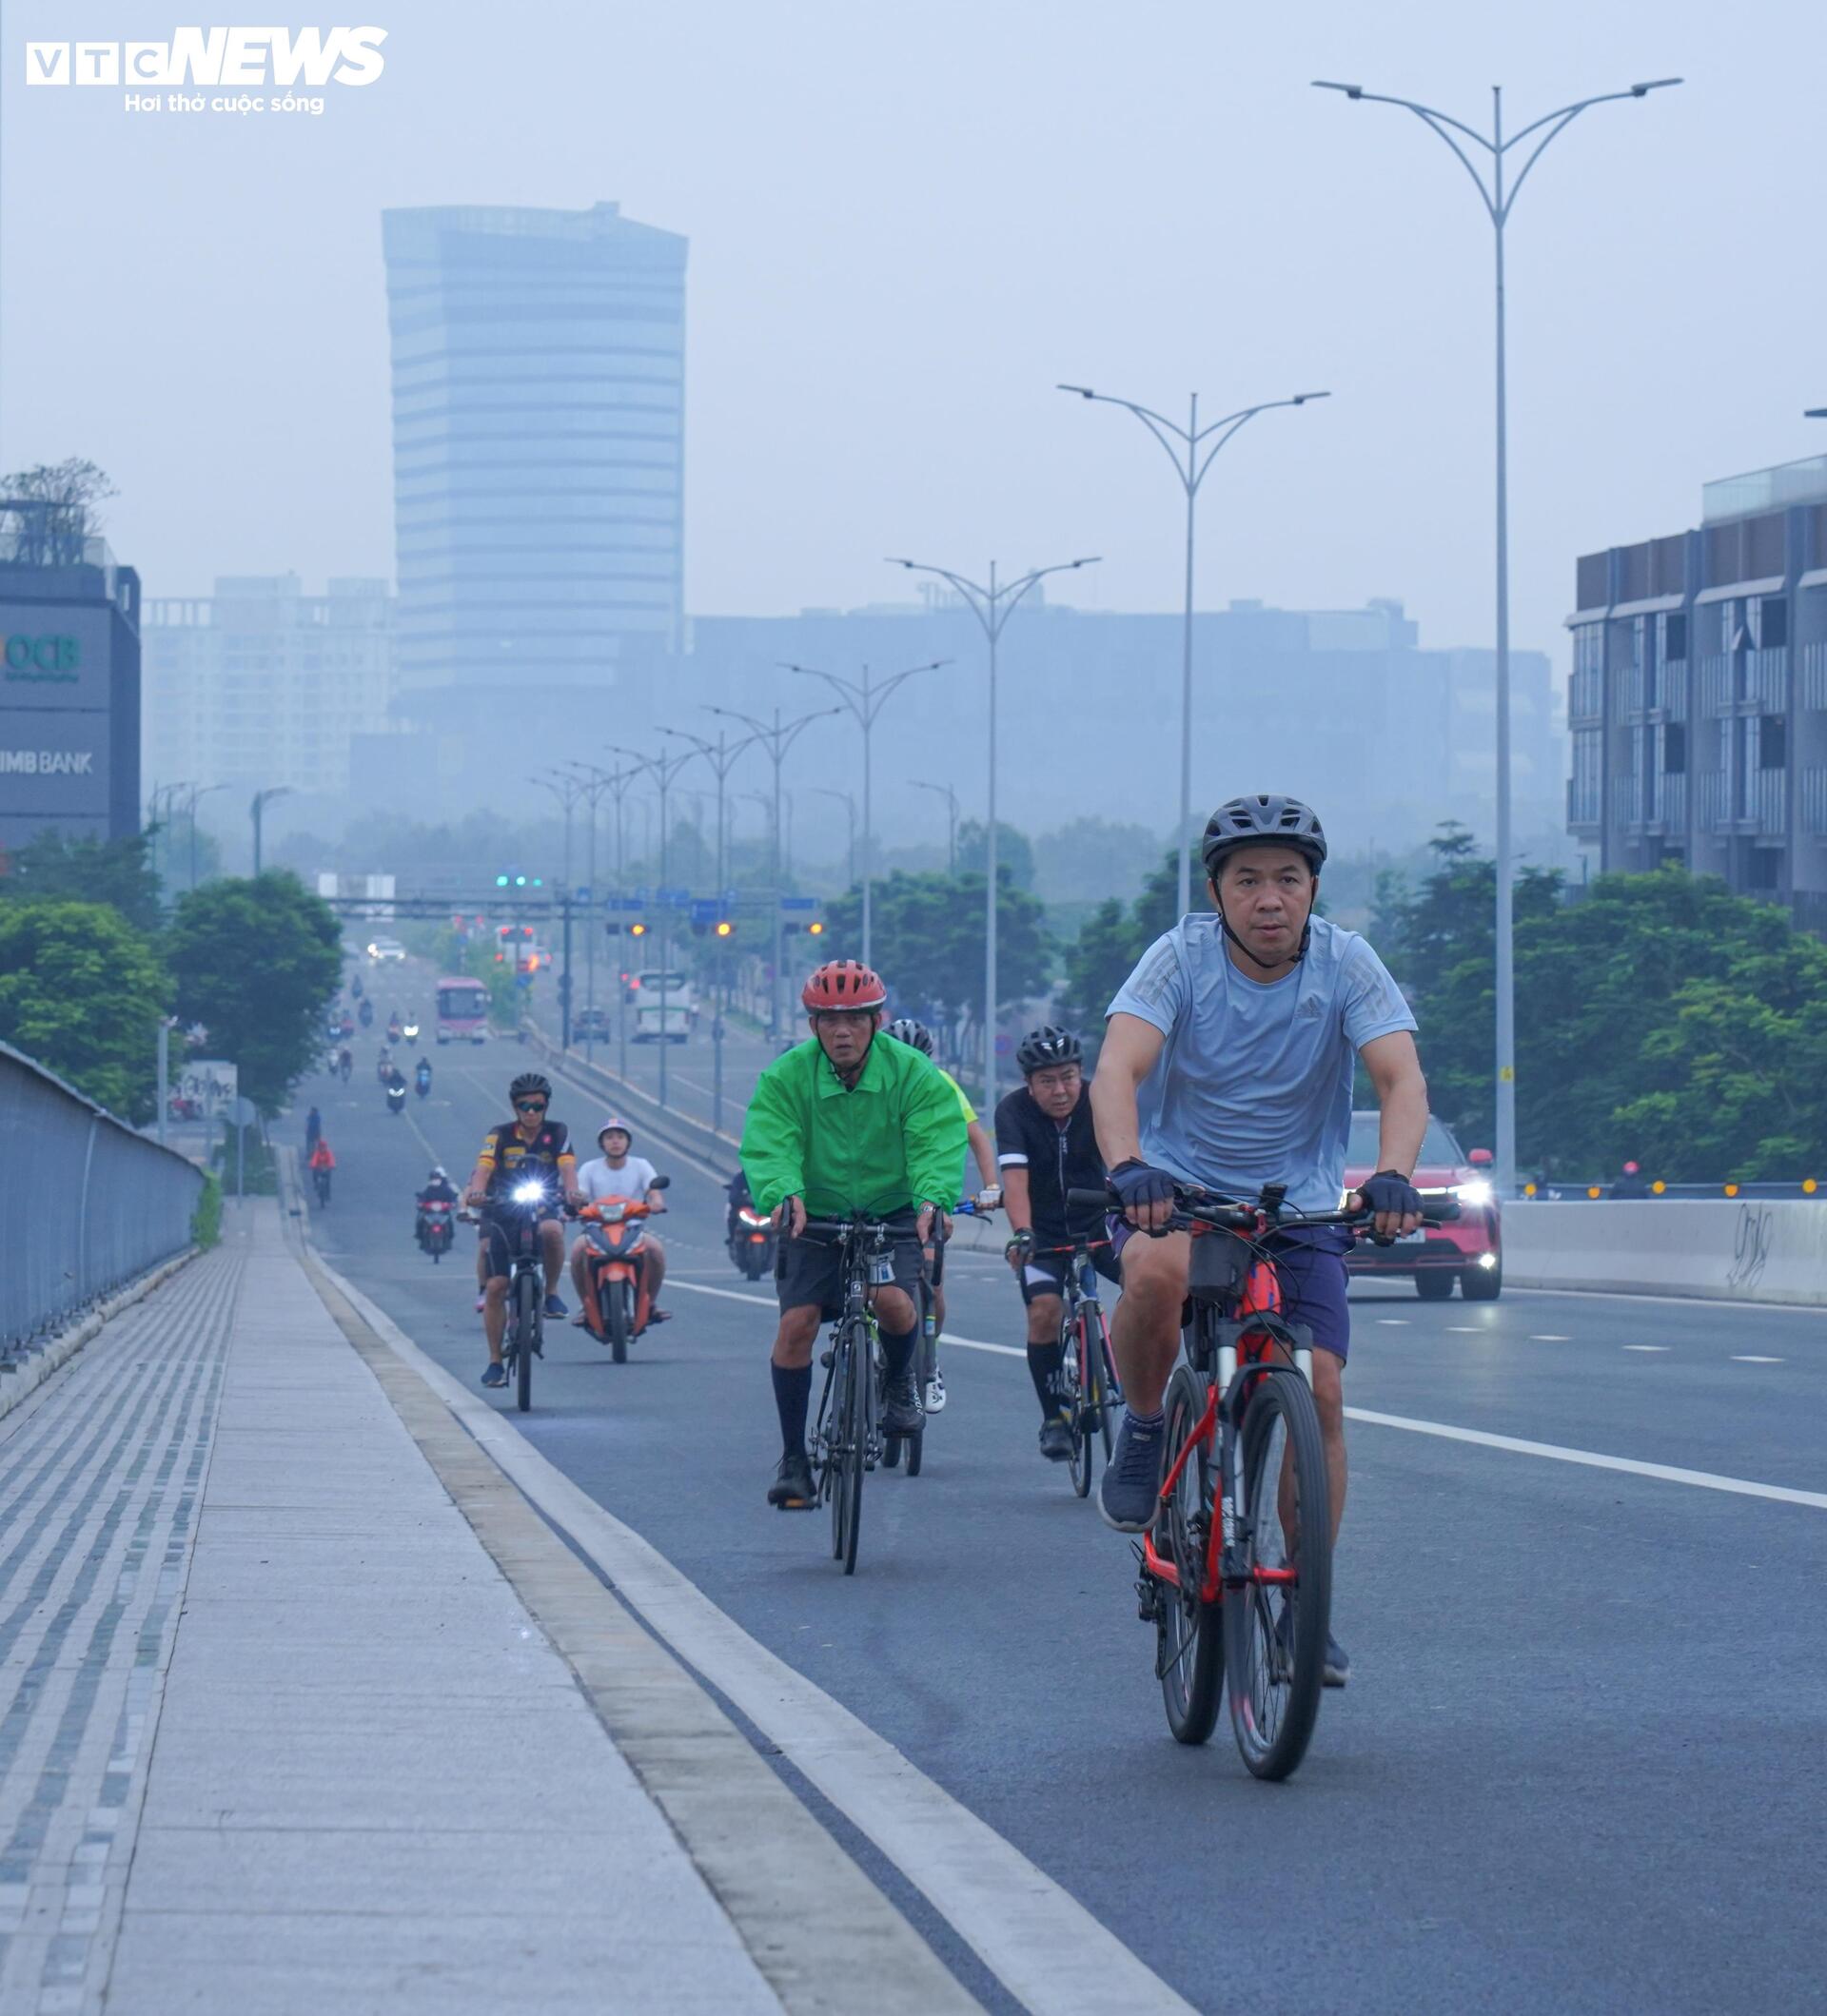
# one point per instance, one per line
(799, 902)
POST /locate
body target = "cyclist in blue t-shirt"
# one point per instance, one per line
(1227, 1061)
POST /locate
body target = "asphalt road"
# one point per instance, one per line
(1582, 1761)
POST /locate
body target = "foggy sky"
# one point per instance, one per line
(907, 221)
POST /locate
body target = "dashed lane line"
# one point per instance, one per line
(1644, 1347)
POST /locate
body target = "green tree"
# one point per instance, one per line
(257, 962)
(1015, 853)
(928, 941)
(115, 871)
(1113, 940)
(81, 992)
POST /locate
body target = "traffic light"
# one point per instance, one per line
(725, 928)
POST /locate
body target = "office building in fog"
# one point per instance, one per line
(539, 422)
(261, 684)
(69, 680)
(1346, 708)
(1697, 704)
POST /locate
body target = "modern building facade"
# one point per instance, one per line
(262, 684)
(1343, 707)
(538, 425)
(1697, 704)
(69, 680)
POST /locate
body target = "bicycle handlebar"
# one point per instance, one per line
(836, 1229)
(1438, 1207)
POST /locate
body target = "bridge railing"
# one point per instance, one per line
(87, 1204)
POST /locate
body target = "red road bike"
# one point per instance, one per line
(1236, 1573)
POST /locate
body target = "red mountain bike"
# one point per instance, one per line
(1236, 1574)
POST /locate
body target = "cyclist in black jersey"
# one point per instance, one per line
(1045, 1147)
(530, 1142)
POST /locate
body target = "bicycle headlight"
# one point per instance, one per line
(529, 1193)
(1477, 1193)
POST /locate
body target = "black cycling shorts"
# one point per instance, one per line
(1045, 1273)
(500, 1250)
(811, 1270)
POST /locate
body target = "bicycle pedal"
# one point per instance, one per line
(1147, 1607)
(826, 1360)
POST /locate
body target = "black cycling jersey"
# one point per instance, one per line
(1057, 1158)
(506, 1153)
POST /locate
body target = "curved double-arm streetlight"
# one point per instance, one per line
(951, 797)
(992, 605)
(257, 809)
(1498, 194)
(865, 699)
(1190, 450)
(777, 738)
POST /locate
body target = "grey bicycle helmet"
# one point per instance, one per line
(530, 1082)
(1047, 1045)
(914, 1033)
(1264, 817)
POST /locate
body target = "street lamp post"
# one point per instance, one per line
(720, 755)
(261, 800)
(951, 798)
(197, 791)
(1191, 459)
(777, 740)
(992, 606)
(662, 769)
(1499, 197)
(866, 701)
(617, 784)
(594, 782)
(567, 790)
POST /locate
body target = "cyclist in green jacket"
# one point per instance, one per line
(842, 1124)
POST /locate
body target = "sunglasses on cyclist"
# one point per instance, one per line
(529, 1106)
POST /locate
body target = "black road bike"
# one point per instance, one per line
(848, 1439)
(521, 1206)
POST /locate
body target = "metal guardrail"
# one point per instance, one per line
(87, 1203)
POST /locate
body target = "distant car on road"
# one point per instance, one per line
(1469, 1251)
(595, 1023)
(383, 948)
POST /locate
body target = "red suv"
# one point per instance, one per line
(1469, 1251)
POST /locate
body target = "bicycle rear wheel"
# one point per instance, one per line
(526, 1317)
(1074, 1396)
(1189, 1658)
(1275, 1631)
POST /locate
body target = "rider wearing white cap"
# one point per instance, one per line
(616, 1173)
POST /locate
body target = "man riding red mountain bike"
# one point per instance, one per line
(841, 1125)
(1228, 1063)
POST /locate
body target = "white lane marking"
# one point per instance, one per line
(1389, 1323)
(1046, 1948)
(1536, 1337)
(1645, 1347)
(767, 1301)
(1753, 1358)
(1457, 1329)
(1665, 1472)
(1673, 1301)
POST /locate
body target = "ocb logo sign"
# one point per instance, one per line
(55, 658)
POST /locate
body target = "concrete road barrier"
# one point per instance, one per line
(1747, 1249)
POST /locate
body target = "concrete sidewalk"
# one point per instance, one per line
(276, 1732)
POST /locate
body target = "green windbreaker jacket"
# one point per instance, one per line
(895, 1139)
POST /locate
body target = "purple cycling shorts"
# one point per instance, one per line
(1313, 1282)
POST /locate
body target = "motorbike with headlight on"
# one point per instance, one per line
(751, 1236)
(622, 1297)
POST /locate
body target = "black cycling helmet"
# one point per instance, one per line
(1047, 1045)
(1264, 818)
(529, 1082)
(915, 1034)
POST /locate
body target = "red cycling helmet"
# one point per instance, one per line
(844, 983)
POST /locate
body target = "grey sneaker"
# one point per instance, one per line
(901, 1413)
(1131, 1485)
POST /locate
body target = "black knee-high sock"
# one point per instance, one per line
(898, 1352)
(791, 1400)
(1044, 1361)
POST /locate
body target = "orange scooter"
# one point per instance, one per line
(615, 1230)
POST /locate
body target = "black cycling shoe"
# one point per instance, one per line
(901, 1410)
(1056, 1439)
(793, 1489)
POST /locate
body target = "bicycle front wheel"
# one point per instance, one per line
(1276, 1621)
(1190, 1632)
(1074, 1404)
(850, 1425)
(526, 1318)
(1097, 1345)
